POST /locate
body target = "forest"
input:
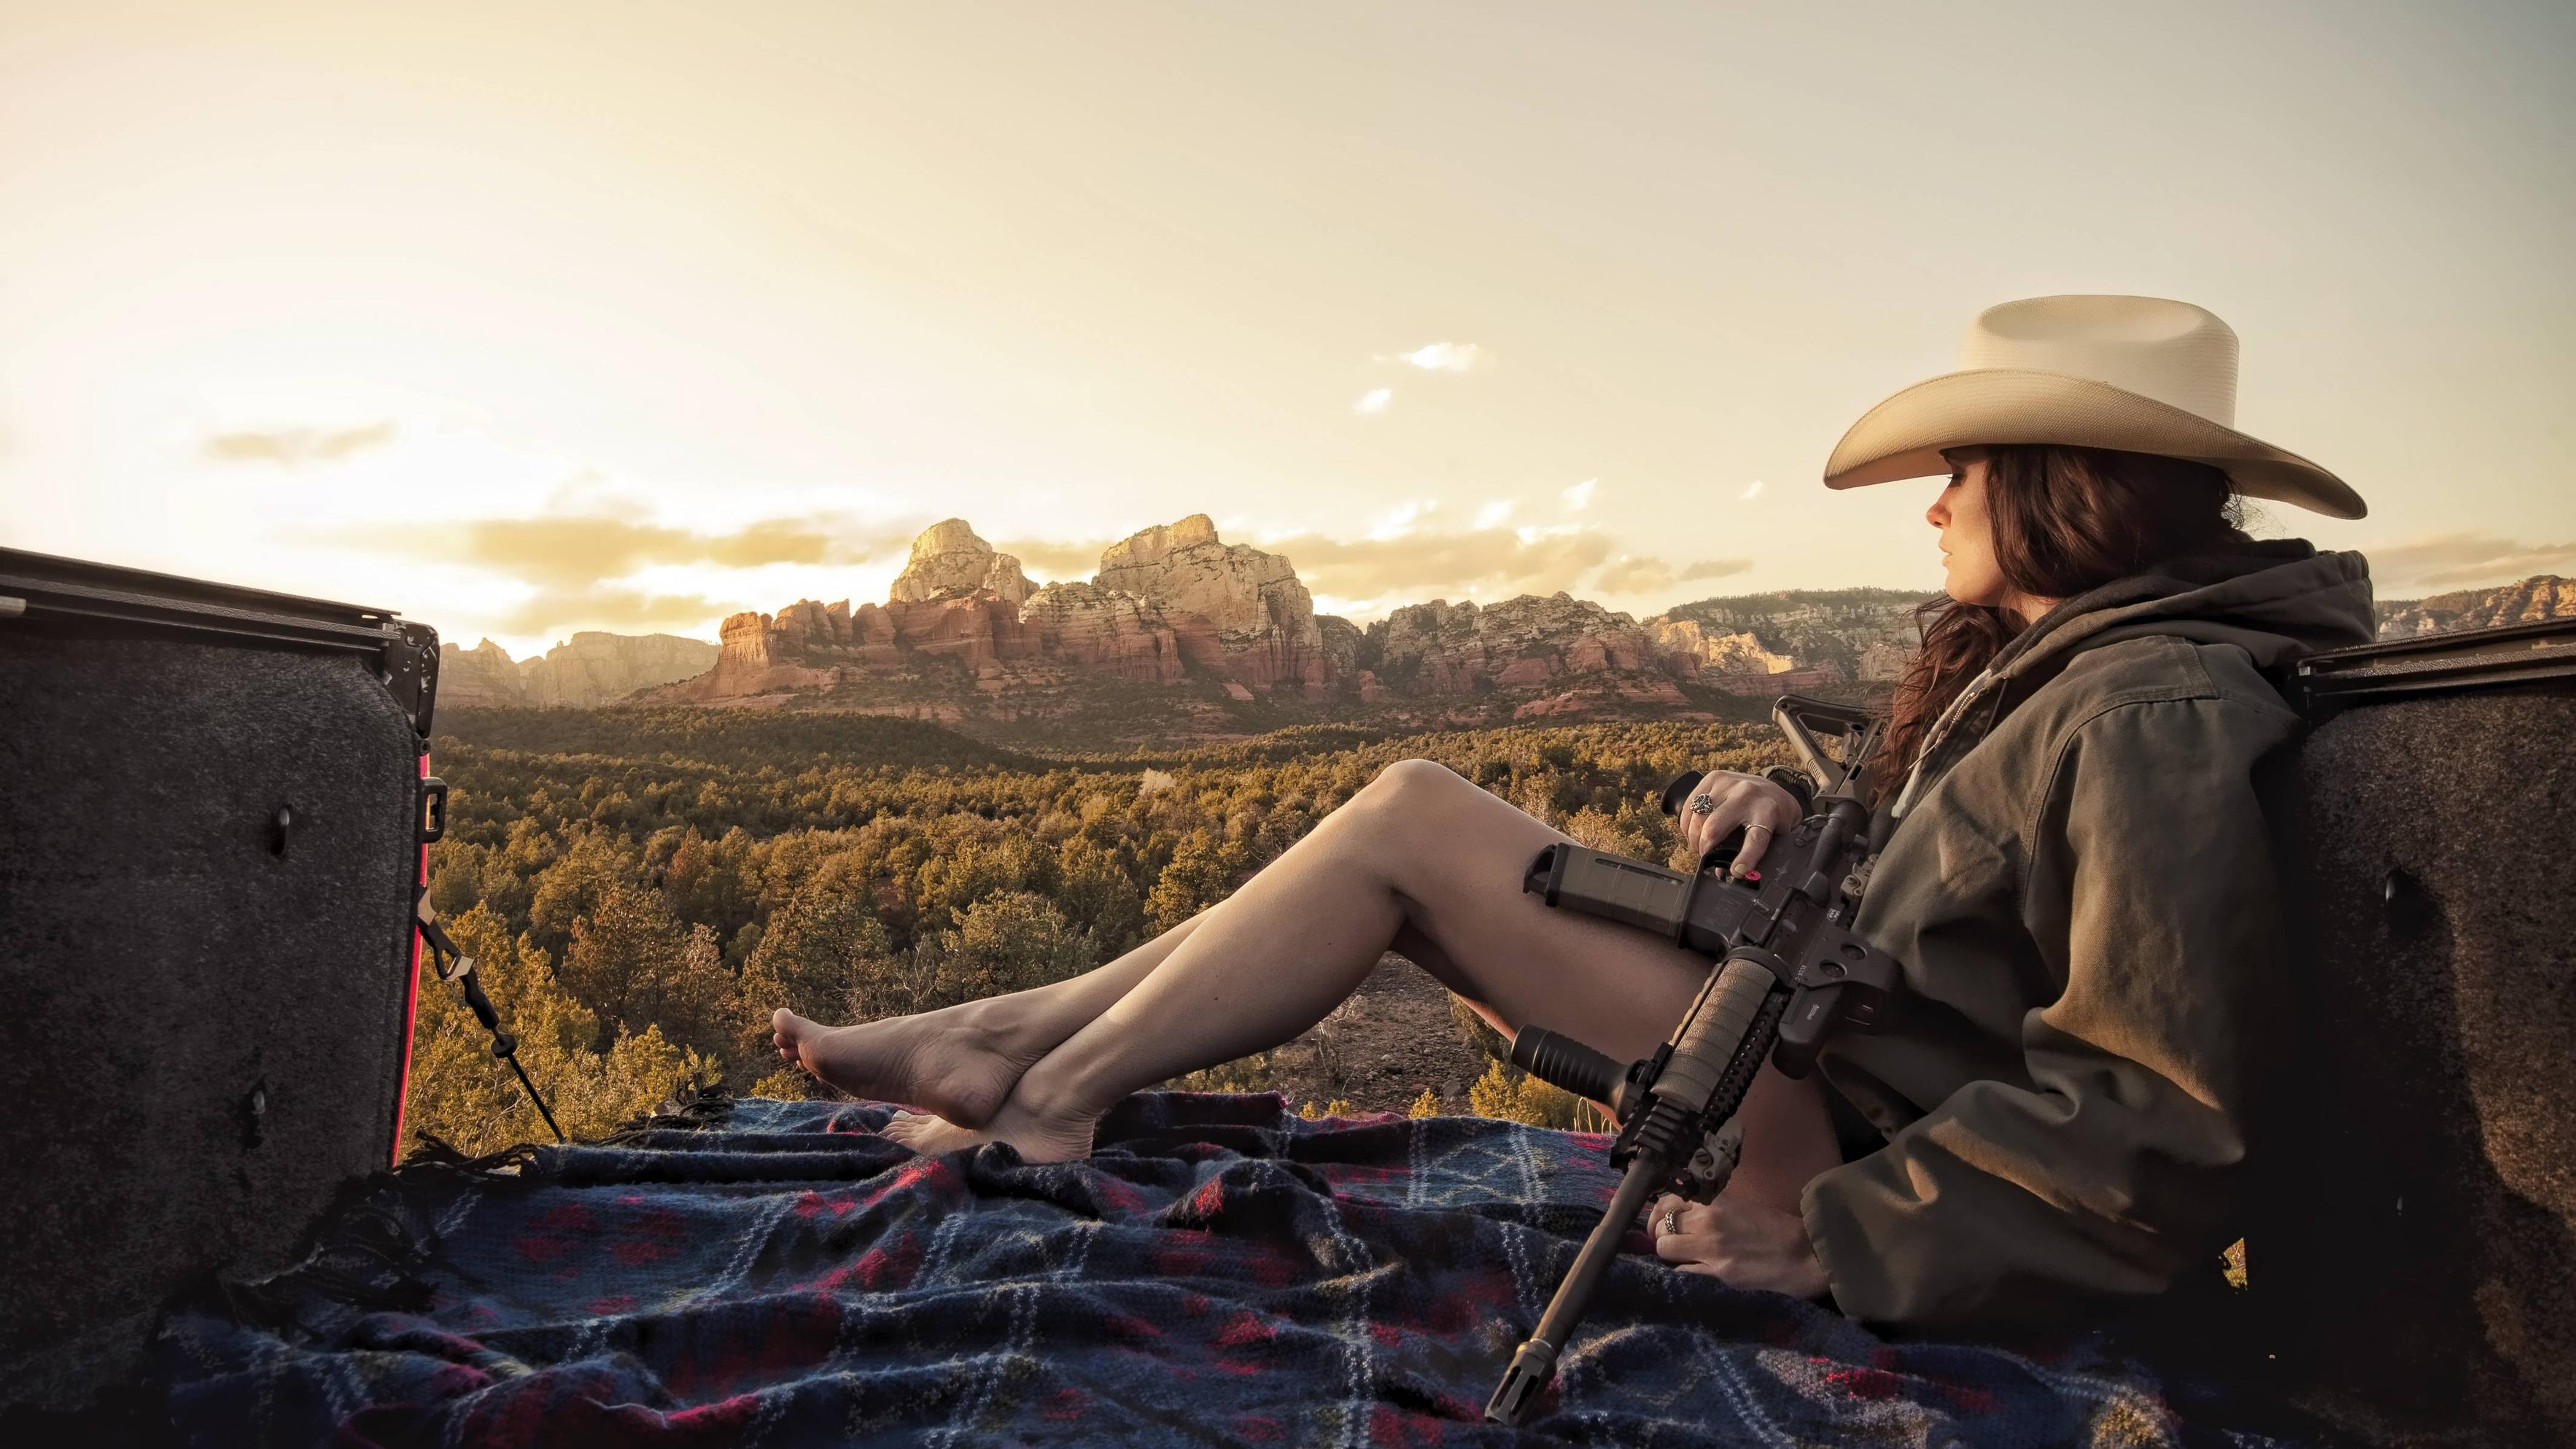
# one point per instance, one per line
(640, 888)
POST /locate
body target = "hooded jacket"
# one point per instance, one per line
(2080, 885)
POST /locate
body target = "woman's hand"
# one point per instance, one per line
(1762, 807)
(1741, 1244)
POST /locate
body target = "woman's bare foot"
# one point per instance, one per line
(953, 1068)
(1039, 1136)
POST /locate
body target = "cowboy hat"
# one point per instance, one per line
(2138, 374)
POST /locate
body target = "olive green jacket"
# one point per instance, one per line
(2080, 887)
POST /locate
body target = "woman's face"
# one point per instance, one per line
(1968, 541)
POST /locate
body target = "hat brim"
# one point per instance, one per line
(1903, 436)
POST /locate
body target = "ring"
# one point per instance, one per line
(1751, 826)
(1702, 805)
(1669, 1223)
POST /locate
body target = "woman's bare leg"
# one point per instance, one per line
(959, 1062)
(1420, 854)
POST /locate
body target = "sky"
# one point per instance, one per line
(523, 319)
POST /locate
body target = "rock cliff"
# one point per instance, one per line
(589, 669)
(1175, 602)
(1855, 633)
(1238, 613)
(1106, 630)
(2542, 596)
(1524, 643)
(593, 668)
(1170, 603)
(482, 675)
(948, 559)
(1691, 648)
(811, 645)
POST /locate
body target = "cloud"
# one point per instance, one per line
(577, 552)
(578, 567)
(573, 551)
(1579, 497)
(1416, 566)
(557, 611)
(1439, 357)
(1644, 574)
(296, 446)
(2461, 560)
(1495, 514)
(1716, 568)
(1374, 400)
(1632, 574)
(1399, 520)
(1753, 492)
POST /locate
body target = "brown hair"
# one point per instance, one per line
(2065, 520)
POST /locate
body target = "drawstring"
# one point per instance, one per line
(1919, 778)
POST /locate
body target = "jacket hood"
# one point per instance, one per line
(2277, 599)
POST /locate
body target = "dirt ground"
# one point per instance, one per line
(1395, 1037)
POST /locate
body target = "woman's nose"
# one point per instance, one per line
(1936, 515)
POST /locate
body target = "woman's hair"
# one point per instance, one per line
(2065, 520)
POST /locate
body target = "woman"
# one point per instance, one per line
(2074, 873)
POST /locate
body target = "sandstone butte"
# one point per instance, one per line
(1175, 602)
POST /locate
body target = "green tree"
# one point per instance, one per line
(630, 962)
(817, 952)
(1008, 942)
(470, 1099)
(1196, 879)
(573, 886)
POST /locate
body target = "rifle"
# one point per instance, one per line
(1785, 972)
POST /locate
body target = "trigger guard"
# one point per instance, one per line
(1718, 856)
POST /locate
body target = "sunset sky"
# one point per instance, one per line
(530, 318)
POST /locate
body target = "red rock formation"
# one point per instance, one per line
(1237, 613)
(756, 654)
(948, 559)
(1689, 648)
(1520, 644)
(1114, 633)
(978, 629)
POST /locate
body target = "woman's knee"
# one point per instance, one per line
(1415, 787)
(1405, 799)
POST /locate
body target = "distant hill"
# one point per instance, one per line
(1864, 634)
(590, 668)
(2542, 596)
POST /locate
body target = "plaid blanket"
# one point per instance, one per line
(1219, 1272)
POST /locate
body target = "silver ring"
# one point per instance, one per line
(1669, 1223)
(1751, 826)
(1702, 805)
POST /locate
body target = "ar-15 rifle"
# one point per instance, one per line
(1786, 971)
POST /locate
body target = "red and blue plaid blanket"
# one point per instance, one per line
(1219, 1272)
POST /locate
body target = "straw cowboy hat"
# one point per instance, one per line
(2139, 374)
